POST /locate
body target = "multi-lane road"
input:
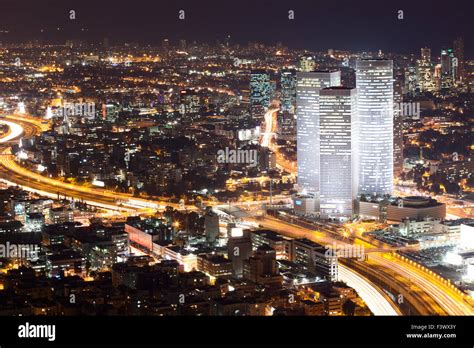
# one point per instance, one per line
(11, 171)
(430, 288)
(434, 295)
(271, 126)
(15, 131)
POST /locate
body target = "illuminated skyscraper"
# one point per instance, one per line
(260, 88)
(374, 81)
(398, 116)
(426, 54)
(411, 80)
(339, 131)
(446, 60)
(458, 48)
(447, 71)
(288, 91)
(425, 72)
(308, 85)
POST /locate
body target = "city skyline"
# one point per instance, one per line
(162, 160)
(155, 22)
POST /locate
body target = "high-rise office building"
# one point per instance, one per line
(338, 136)
(260, 88)
(398, 123)
(425, 72)
(426, 54)
(308, 85)
(239, 248)
(446, 60)
(374, 81)
(458, 48)
(286, 126)
(447, 71)
(211, 226)
(307, 63)
(411, 80)
(288, 91)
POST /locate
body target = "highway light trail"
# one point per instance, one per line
(373, 297)
(113, 207)
(375, 300)
(446, 296)
(15, 131)
(268, 134)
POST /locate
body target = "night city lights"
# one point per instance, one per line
(164, 164)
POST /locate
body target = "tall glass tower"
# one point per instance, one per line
(374, 81)
(339, 131)
(308, 85)
(288, 91)
(260, 88)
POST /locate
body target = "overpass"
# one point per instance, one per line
(448, 299)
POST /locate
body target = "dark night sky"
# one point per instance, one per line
(319, 25)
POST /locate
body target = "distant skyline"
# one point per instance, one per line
(366, 25)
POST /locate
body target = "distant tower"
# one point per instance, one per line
(260, 91)
(458, 48)
(21, 108)
(288, 91)
(426, 54)
(447, 71)
(398, 124)
(211, 226)
(165, 44)
(425, 72)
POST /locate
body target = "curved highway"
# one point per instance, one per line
(11, 171)
(448, 298)
(15, 131)
(375, 299)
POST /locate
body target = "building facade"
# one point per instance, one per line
(374, 81)
(308, 86)
(338, 135)
(260, 88)
(288, 91)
